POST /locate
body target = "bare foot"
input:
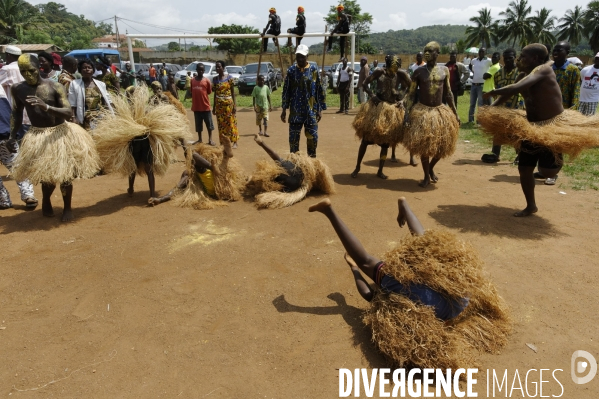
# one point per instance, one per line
(258, 139)
(30, 202)
(130, 191)
(413, 162)
(266, 135)
(382, 175)
(153, 201)
(354, 174)
(67, 215)
(350, 261)
(47, 209)
(526, 212)
(425, 182)
(434, 177)
(393, 159)
(321, 206)
(401, 215)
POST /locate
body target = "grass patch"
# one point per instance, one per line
(582, 171)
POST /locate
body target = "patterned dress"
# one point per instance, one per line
(111, 81)
(223, 107)
(93, 105)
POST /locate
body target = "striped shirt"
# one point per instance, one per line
(504, 78)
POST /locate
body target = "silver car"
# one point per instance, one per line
(209, 70)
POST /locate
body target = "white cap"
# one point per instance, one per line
(302, 49)
(14, 50)
(596, 55)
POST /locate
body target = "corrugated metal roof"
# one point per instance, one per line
(35, 47)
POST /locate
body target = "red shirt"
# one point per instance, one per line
(152, 72)
(200, 90)
(454, 78)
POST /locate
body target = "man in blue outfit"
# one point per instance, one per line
(304, 96)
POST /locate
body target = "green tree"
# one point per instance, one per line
(16, 17)
(516, 23)
(460, 46)
(367, 48)
(194, 48)
(360, 22)
(236, 46)
(80, 41)
(572, 27)
(36, 36)
(484, 31)
(173, 46)
(543, 27)
(591, 25)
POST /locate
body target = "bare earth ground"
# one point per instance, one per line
(136, 302)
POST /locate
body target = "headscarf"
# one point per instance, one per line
(300, 9)
(272, 10)
(340, 7)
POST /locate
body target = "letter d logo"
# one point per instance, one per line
(582, 366)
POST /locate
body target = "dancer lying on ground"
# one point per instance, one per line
(287, 181)
(211, 174)
(431, 301)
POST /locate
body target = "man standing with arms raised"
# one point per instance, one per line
(303, 95)
(479, 66)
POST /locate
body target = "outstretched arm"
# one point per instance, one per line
(266, 148)
(525, 83)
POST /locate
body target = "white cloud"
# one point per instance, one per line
(459, 15)
(395, 21)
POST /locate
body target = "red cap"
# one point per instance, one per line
(57, 59)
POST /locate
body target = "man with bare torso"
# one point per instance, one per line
(543, 102)
(433, 127)
(48, 108)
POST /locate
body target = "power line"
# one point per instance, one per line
(162, 27)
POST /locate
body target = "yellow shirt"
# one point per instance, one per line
(207, 180)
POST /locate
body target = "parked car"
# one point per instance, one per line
(356, 67)
(209, 71)
(146, 70)
(234, 71)
(247, 81)
(331, 73)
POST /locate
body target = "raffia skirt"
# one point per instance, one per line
(568, 133)
(56, 155)
(379, 124)
(409, 333)
(432, 131)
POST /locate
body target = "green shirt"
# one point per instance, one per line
(489, 84)
(261, 95)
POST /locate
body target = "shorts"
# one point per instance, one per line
(262, 115)
(292, 180)
(531, 154)
(141, 150)
(445, 308)
(205, 117)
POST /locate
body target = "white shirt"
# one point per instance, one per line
(9, 76)
(415, 66)
(479, 68)
(344, 74)
(77, 97)
(466, 61)
(589, 85)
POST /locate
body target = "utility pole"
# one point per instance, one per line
(116, 28)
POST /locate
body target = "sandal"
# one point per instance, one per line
(490, 158)
(550, 181)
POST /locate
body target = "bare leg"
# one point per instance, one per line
(265, 129)
(352, 245)
(266, 148)
(159, 200)
(361, 284)
(431, 173)
(131, 183)
(527, 182)
(393, 159)
(412, 160)
(47, 190)
(210, 138)
(383, 157)
(361, 152)
(151, 180)
(67, 193)
(405, 214)
(426, 169)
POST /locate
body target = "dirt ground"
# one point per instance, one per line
(137, 302)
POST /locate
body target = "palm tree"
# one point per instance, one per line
(543, 26)
(572, 27)
(591, 24)
(483, 32)
(517, 25)
(17, 16)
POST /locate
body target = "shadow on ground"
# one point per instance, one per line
(494, 220)
(371, 181)
(34, 220)
(361, 335)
